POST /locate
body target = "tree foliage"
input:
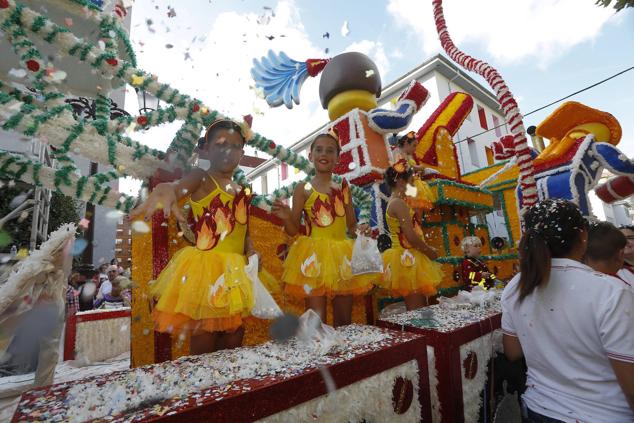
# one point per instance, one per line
(63, 210)
(618, 4)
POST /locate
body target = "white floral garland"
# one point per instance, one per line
(368, 400)
(483, 348)
(100, 340)
(436, 407)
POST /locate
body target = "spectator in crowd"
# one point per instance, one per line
(115, 299)
(72, 295)
(88, 288)
(570, 323)
(627, 271)
(606, 245)
(106, 286)
(103, 273)
(115, 262)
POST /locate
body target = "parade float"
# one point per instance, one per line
(386, 374)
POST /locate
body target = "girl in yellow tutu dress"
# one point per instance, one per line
(408, 267)
(424, 198)
(204, 289)
(318, 263)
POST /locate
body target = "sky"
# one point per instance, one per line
(544, 49)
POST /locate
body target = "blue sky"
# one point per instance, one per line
(544, 49)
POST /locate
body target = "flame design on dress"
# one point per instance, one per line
(310, 267)
(222, 216)
(322, 213)
(216, 297)
(407, 259)
(206, 237)
(241, 204)
(345, 190)
(338, 203)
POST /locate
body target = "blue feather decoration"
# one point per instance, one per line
(280, 77)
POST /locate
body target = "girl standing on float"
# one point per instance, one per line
(204, 289)
(408, 267)
(423, 198)
(317, 266)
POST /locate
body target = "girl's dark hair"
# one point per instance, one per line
(391, 175)
(553, 228)
(216, 126)
(408, 138)
(325, 135)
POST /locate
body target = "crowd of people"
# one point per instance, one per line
(105, 287)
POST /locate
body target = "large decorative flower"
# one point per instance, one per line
(322, 213)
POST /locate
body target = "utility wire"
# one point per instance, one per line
(549, 104)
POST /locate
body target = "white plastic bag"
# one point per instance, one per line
(312, 331)
(265, 306)
(366, 257)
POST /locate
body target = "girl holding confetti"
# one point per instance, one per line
(204, 289)
(408, 267)
(318, 263)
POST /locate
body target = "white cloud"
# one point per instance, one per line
(509, 31)
(219, 72)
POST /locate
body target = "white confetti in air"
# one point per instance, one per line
(345, 30)
(308, 186)
(114, 214)
(140, 227)
(307, 289)
(369, 73)
(352, 166)
(146, 331)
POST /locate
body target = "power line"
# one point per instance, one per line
(550, 104)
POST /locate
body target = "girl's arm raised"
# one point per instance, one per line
(400, 210)
(166, 195)
(291, 217)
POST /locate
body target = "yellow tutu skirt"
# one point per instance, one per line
(202, 291)
(316, 267)
(425, 196)
(408, 271)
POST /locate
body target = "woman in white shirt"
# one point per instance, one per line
(574, 326)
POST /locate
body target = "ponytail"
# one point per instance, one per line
(534, 263)
(554, 230)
